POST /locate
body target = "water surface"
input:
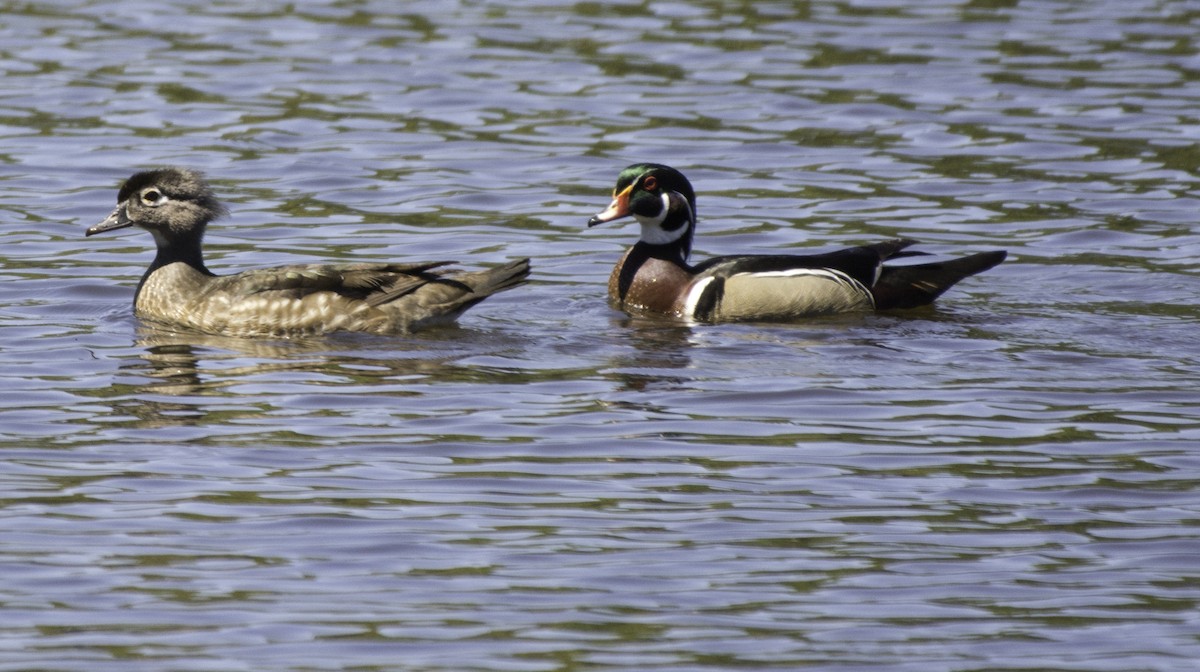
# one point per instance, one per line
(1005, 481)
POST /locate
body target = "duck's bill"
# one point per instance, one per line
(115, 220)
(617, 209)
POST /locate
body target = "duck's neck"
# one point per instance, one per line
(194, 260)
(187, 250)
(172, 252)
(674, 252)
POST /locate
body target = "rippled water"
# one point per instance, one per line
(1007, 481)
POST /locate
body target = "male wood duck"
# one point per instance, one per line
(175, 205)
(654, 275)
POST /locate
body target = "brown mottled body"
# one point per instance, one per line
(313, 300)
(175, 205)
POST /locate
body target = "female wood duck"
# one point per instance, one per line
(654, 275)
(175, 205)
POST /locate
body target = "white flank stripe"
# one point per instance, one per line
(693, 297)
(827, 273)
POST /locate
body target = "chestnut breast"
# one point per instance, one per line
(645, 283)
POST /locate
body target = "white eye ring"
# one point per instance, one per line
(154, 197)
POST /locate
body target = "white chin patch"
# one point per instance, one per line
(652, 231)
(159, 238)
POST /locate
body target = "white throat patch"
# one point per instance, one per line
(652, 231)
(159, 239)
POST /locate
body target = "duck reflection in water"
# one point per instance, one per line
(657, 350)
(184, 379)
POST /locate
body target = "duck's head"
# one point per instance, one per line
(661, 199)
(173, 204)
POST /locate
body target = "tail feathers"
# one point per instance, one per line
(894, 249)
(440, 299)
(503, 277)
(921, 284)
(463, 290)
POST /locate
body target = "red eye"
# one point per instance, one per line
(650, 183)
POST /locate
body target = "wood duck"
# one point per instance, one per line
(654, 275)
(175, 205)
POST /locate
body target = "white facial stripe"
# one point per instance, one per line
(652, 231)
(691, 216)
